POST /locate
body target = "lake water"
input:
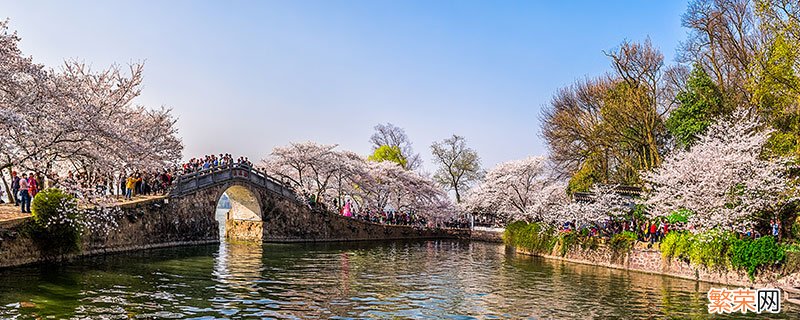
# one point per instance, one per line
(413, 279)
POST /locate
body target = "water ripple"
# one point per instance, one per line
(417, 280)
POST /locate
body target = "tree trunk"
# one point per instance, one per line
(11, 197)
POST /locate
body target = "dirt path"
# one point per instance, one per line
(11, 212)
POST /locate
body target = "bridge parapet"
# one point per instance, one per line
(189, 183)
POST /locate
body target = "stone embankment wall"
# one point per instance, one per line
(143, 225)
(649, 260)
(179, 221)
(288, 220)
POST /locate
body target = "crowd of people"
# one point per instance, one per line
(651, 231)
(654, 230)
(212, 161)
(388, 216)
(391, 217)
(126, 183)
(147, 183)
(24, 188)
(159, 182)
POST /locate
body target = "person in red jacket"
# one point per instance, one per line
(653, 232)
(33, 185)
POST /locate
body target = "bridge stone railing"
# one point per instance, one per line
(188, 183)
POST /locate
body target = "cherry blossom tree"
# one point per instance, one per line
(77, 119)
(518, 190)
(320, 170)
(723, 179)
(308, 167)
(389, 185)
(603, 203)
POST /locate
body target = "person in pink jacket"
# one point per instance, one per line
(347, 211)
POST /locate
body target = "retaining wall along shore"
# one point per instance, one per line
(167, 222)
(650, 260)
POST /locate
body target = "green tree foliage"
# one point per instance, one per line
(699, 103)
(776, 91)
(588, 175)
(751, 50)
(389, 153)
(459, 165)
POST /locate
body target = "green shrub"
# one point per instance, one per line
(590, 243)
(722, 250)
(753, 254)
(677, 244)
(567, 240)
(711, 249)
(56, 228)
(622, 242)
(669, 243)
(533, 237)
(682, 245)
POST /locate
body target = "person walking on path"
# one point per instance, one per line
(15, 188)
(25, 197)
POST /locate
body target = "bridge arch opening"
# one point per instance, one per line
(240, 207)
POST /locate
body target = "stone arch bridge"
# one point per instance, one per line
(264, 209)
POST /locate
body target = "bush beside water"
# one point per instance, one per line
(532, 237)
(55, 227)
(717, 250)
(713, 250)
(540, 238)
(622, 242)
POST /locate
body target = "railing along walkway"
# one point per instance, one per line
(191, 182)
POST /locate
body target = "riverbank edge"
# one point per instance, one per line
(37, 260)
(157, 224)
(648, 260)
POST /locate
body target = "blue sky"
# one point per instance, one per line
(245, 76)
